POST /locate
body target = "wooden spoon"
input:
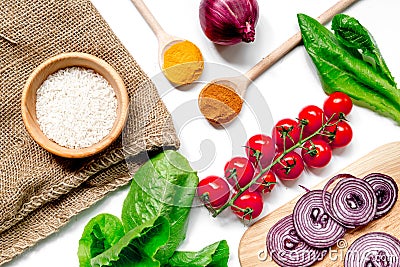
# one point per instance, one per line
(165, 41)
(239, 84)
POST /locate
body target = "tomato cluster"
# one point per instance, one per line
(239, 172)
(293, 145)
(317, 151)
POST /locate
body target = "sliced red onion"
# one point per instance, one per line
(353, 201)
(313, 224)
(374, 249)
(287, 249)
(325, 202)
(386, 192)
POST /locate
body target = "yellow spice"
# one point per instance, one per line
(183, 63)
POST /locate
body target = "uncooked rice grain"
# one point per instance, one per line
(76, 107)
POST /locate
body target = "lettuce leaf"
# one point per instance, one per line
(100, 234)
(153, 222)
(358, 41)
(164, 186)
(137, 247)
(214, 255)
(340, 71)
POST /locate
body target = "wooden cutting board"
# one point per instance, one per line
(385, 159)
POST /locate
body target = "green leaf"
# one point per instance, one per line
(137, 247)
(101, 233)
(154, 220)
(214, 255)
(339, 70)
(357, 40)
(164, 186)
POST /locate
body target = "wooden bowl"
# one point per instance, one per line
(40, 74)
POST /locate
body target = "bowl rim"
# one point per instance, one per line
(119, 124)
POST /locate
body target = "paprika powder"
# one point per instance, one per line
(219, 103)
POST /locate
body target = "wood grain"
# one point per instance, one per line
(385, 159)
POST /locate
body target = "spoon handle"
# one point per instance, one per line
(150, 19)
(293, 41)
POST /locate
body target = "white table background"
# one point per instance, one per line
(288, 86)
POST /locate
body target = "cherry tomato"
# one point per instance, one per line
(316, 154)
(214, 191)
(290, 166)
(339, 134)
(239, 170)
(260, 148)
(336, 104)
(248, 205)
(313, 117)
(265, 183)
(286, 132)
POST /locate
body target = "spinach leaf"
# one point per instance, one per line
(339, 70)
(357, 40)
(100, 234)
(164, 186)
(214, 255)
(137, 247)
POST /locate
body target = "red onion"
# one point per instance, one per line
(228, 22)
(287, 249)
(313, 224)
(353, 201)
(386, 192)
(374, 249)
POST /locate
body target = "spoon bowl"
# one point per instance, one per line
(238, 83)
(165, 43)
(221, 100)
(181, 61)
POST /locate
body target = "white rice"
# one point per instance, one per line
(76, 107)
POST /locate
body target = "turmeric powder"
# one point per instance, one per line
(219, 104)
(183, 63)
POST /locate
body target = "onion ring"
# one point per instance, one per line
(287, 249)
(353, 201)
(313, 224)
(374, 249)
(386, 192)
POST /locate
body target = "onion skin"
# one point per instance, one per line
(312, 222)
(374, 249)
(287, 249)
(228, 22)
(386, 191)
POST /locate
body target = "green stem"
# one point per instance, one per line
(299, 144)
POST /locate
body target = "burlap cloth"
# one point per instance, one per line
(40, 192)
